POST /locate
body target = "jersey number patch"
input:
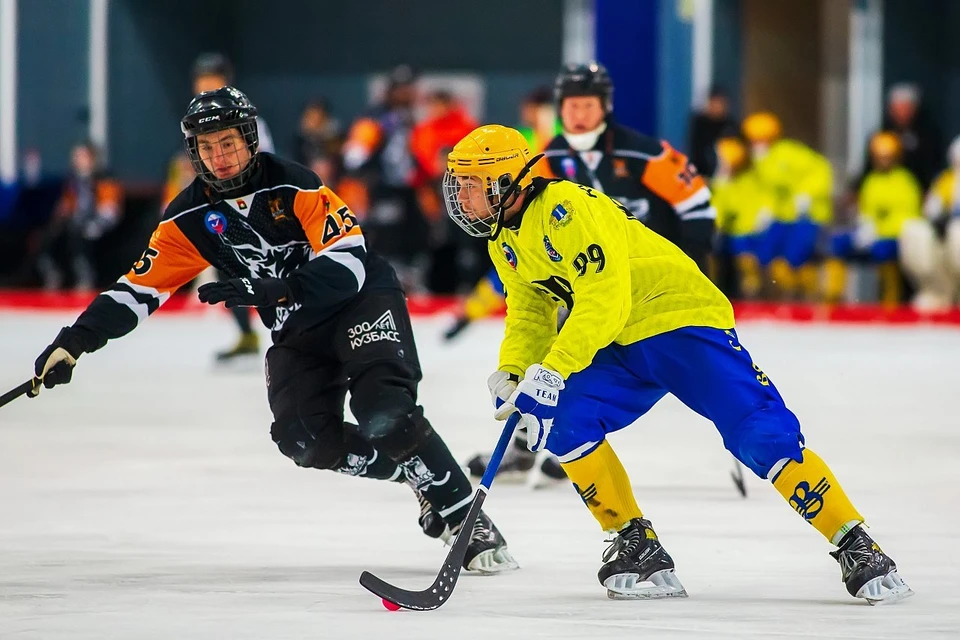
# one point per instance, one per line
(593, 255)
(143, 266)
(337, 224)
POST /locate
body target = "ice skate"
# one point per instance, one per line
(431, 521)
(519, 464)
(487, 553)
(867, 571)
(636, 556)
(247, 345)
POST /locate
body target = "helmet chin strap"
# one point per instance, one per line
(584, 141)
(511, 194)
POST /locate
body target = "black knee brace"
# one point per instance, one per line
(396, 434)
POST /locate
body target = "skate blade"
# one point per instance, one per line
(885, 590)
(665, 585)
(493, 561)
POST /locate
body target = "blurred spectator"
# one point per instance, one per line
(930, 247)
(90, 206)
(538, 119)
(744, 205)
(801, 181)
(381, 178)
(317, 142)
(706, 128)
(454, 257)
(920, 138)
(889, 197)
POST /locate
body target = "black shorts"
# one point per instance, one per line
(367, 348)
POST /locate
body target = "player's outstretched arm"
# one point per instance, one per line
(169, 262)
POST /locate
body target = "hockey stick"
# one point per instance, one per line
(737, 475)
(441, 589)
(23, 389)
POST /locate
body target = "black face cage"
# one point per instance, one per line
(248, 130)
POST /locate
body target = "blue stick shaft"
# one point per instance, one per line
(497, 456)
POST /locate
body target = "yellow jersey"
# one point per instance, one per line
(888, 199)
(740, 201)
(944, 196)
(791, 168)
(576, 247)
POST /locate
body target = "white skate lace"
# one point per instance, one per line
(625, 544)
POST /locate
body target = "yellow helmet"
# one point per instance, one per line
(762, 127)
(732, 152)
(885, 145)
(485, 172)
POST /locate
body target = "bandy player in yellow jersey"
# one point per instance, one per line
(644, 322)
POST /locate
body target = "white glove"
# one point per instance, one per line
(536, 398)
(802, 202)
(502, 385)
(865, 235)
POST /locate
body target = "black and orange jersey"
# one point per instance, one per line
(657, 183)
(285, 224)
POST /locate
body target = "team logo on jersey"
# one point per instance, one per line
(569, 166)
(216, 222)
(241, 204)
(552, 253)
(560, 216)
(620, 168)
(383, 328)
(509, 254)
(276, 209)
(809, 502)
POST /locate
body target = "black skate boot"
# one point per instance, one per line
(247, 345)
(430, 520)
(867, 571)
(487, 552)
(636, 556)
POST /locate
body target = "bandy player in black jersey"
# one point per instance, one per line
(337, 314)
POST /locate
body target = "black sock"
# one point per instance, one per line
(433, 470)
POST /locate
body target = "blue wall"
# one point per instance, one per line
(52, 75)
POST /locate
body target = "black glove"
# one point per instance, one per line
(55, 364)
(247, 292)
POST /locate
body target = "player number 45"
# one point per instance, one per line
(337, 224)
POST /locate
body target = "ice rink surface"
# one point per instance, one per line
(146, 500)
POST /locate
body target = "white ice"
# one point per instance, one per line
(145, 500)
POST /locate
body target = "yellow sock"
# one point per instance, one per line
(783, 276)
(810, 281)
(836, 285)
(483, 301)
(813, 492)
(602, 483)
(749, 268)
(891, 288)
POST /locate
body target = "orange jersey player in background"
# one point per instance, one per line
(291, 248)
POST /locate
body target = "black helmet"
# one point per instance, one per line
(212, 111)
(213, 64)
(584, 80)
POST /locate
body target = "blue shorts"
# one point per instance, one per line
(882, 250)
(707, 369)
(494, 279)
(795, 242)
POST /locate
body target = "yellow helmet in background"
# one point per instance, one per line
(762, 127)
(485, 172)
(885, 146)
(732, 152)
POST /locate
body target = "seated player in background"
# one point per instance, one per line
(339, 322)
(744, 210)
(889, 196)
(643, 321)
(655, 182)
(930, 246)
(802, 181)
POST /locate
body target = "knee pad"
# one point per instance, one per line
(314, 442)
(396, 434)
(766, 437)
(918, 248)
